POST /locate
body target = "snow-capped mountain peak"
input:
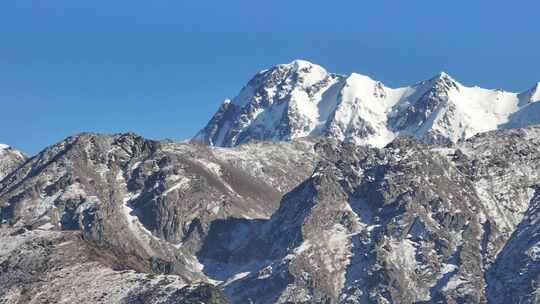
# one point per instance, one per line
(442, 82)
(305, 73)
(6, 150)
(444, 76)
(304, 66)
(301, 99)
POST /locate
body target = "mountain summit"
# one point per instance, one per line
(10, 159)
(302, 99)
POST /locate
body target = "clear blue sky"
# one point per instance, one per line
(161, 68)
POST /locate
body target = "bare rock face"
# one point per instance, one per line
(410, 223)
(305, 221)
(368, 226)
(513, 277)
(149, 203)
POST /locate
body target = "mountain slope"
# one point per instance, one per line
(150, 201)
(301, 221)
(409, 223)
(302, 99)
(41, 266)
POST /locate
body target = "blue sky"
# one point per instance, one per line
(161, 68)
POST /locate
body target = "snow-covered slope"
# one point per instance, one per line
(302, 99)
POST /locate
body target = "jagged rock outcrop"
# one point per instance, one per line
(513, 277)
(409, 223)
(10, 159)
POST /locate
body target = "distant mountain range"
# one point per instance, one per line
(302, 99)
(308, 187)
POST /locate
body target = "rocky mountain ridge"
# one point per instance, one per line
(147, 204)
(10, 159)
(306, 221)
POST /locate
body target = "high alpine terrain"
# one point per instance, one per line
(302, 99)
(308, 187)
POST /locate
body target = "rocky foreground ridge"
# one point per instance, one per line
(122, 219)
